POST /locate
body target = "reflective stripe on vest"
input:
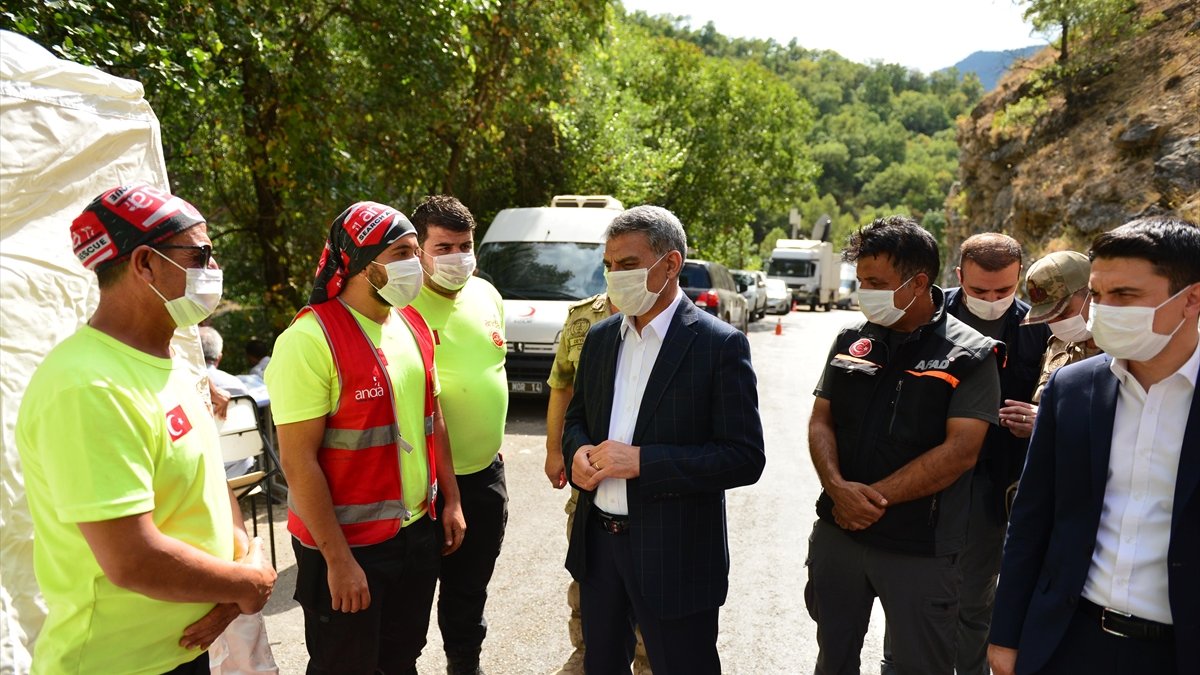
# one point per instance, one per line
(361, 447)
(354, 439)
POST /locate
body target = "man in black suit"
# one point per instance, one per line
(1101, 568)
(664, 419)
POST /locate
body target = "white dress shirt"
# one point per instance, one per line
(1129, 563)
(635, 361)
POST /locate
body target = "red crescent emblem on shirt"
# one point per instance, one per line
(860, 348)
(178, 423)
(497, 339)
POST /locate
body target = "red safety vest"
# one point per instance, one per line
(360, 453)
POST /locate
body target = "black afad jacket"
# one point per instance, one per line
(889, 408)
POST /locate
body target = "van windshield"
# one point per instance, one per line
(788, 267)
(543, 270)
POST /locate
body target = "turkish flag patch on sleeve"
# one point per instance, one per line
(178, 423)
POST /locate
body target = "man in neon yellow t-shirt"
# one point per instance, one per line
(139, 546)
(354, 394)
(466, 315)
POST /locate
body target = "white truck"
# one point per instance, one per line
(542, 260)
(810, 270)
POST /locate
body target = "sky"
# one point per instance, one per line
(923, 34)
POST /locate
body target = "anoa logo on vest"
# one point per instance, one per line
(369, 392)
(932, 364)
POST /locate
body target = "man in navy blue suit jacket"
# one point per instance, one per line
(1101, 567)
(664, 419)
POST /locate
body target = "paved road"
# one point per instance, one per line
(764, 626)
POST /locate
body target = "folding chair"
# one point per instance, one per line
(242, 437)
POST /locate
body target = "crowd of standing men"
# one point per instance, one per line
(918, 434)
(389, 394)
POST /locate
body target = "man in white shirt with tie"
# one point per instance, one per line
(1101, 569)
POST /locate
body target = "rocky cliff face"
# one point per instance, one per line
(1052, 170)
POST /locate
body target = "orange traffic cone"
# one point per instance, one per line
(779, 326)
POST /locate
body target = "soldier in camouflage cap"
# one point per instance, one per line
(1058, 288)
(1052, 282)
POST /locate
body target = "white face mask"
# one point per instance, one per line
(1072, 329)
(880, 306)
(201, 294)
(627, 289)
(403, 284)
(989, 311)
(453, 270)
(1128, 332)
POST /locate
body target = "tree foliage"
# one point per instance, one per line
(277, 114)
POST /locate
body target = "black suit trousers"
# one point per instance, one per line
(611, 606)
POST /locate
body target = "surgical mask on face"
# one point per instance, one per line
(453, 270)
(1128, 332)
(989, 311)
(201, 294)
(880, 306)
(627, 289)
(403, 285)
(1072, 329)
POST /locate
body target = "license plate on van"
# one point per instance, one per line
(526, 387)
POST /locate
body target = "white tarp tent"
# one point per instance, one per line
(67, 133)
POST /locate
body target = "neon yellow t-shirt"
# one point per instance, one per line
(469, 333)
(106, 431)
(303, 385)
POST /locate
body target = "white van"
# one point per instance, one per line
(542, 260)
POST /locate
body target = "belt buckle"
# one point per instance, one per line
(1104, 614)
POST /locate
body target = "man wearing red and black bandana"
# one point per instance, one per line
(140, 550)
(354, 394)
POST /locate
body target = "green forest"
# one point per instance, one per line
(277, 114)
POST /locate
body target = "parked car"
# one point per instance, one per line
(779, 297)
(755, 293)
(713, 289)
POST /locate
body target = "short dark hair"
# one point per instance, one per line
(441, 211)
(911, 248)
(991, 250)
(257, 349)
(1172, 246)
(107, 275)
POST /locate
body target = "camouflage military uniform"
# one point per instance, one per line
(1059, 354)
(581, 316)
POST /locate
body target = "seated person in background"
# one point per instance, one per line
(258, 355)
(212, 344)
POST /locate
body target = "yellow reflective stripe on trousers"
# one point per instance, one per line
(358, 439)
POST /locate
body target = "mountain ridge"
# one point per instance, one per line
(991, 66)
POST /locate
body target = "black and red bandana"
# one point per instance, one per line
(356, 238)
(126, 217)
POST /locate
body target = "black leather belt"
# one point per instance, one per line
(610, 523)
(1126, 625)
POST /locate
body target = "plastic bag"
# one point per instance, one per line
(243, 649)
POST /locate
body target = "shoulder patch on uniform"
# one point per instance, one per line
(860, 348)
